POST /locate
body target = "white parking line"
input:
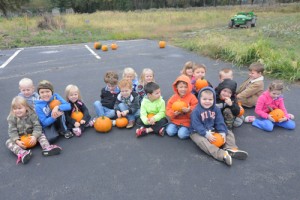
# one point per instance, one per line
(11, 58)
(98, 57)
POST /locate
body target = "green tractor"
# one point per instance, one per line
(243, 19)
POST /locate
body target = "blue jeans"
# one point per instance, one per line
(132, 116)
(103, 111)
(182, 131)
(267, 125)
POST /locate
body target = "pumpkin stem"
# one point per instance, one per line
(76, 108)
(271, 109)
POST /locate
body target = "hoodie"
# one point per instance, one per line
(189, 98)
(205, 119)
(232, 85)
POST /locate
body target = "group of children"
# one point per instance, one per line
(208, 110)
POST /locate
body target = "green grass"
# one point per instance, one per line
(204, 30)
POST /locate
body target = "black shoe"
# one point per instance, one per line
(161, 132)
(67, 134)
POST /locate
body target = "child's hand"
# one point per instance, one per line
(77, 124)
(186, 110)
(151, 121)
(223, 136)
(56, 113)
(228, 101)
(176, 113)
(119, 114)
(32, 140)
(283, 119)
(125, 112)
(20, 144)
(209, 136)
(271, 118)
(82, 121)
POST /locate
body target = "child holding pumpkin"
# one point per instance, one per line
(270, 100)
(26, 88)
(180, 116)
(108, 96)
(199, 71)
(50, 110)
(152, 115)
(227, 102)
(131, 75)
(127, 103)
(206, 119)
(147, 76)
(22, 120)
(78, 117)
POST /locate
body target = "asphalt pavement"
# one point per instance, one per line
(117, 165)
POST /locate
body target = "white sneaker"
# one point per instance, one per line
(113, 122)
(227, 159)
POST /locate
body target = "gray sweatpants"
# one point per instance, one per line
(212, 150)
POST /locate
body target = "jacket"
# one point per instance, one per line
(156, 107)
(82, 108)
(108, 99)
(203, 120)
(132, 102)
(189, 98)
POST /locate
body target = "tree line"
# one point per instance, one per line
(89, 6)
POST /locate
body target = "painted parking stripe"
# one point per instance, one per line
(88, 48)
(11, 58)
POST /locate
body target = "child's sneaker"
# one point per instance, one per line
(292, 117)
(130, 124)
(24, 156)
(77, 131)
(161, 132)
(141, 132)
(237, 154)
(51, 150)
(113, 122)
(67, 134)
(249, 119)
(91, 123)
(227, 159)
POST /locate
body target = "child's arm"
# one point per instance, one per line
(143, 114)
(169, 112)
(235, 108)
(197, 124)
(250, 90)
(64, 106)
(44, 119)
(12, 128)
(135, 105)
(193, 102)
(85, 111)
(161, 112)
(220, 125)
(259, 108)
(37, 128)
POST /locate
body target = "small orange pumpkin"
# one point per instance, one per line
(103, 124)
(26, 140)
(121, 122)
(201, 83)
(178, 105)
(219, 140)
(54, 103)
(104, 48)
(97, 45)
(162, 44)
(150, 115)
(277, 114)
(113, 46)
(242, 110)
(77, 115)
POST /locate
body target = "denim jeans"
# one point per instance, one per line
(182, 131)
(132, 116)
(103, 111)
(267, 125)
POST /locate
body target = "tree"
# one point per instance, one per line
(11, 5)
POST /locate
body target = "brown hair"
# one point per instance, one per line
(276, 85)
(199, 66)
(258, 67)
(225, 71)
(124, 83)
(111, 77)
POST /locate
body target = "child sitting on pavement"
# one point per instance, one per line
(127, 103)
(207, 118)
(23, 120)
(153, 112)
(199, 71)
(53, 121)
(26, 88)
(180, 120)
(147, 76)
(252, 87)
(108, 96)
(73, 96)
(188, 69)
(131, 75)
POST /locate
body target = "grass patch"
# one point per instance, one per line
(203, 30)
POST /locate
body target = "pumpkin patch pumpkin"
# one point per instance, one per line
(97, 45)
(121, 122)
(77, 115)
(201, 83)
(150, 115)
(178, 105)
(277, 114)
(113, 46)
(162, 44)
(26, 140)
(104, 48)
(219, 140)
(54, 103)
(242, 110)
(103, 124)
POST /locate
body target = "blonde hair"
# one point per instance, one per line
(199, 66)
(70, 88)
(25, 82)
(142, 78)
(124, 83)
(129, 70)
(224, 71)
(187, 65)
(276, 85)
(17, 101)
